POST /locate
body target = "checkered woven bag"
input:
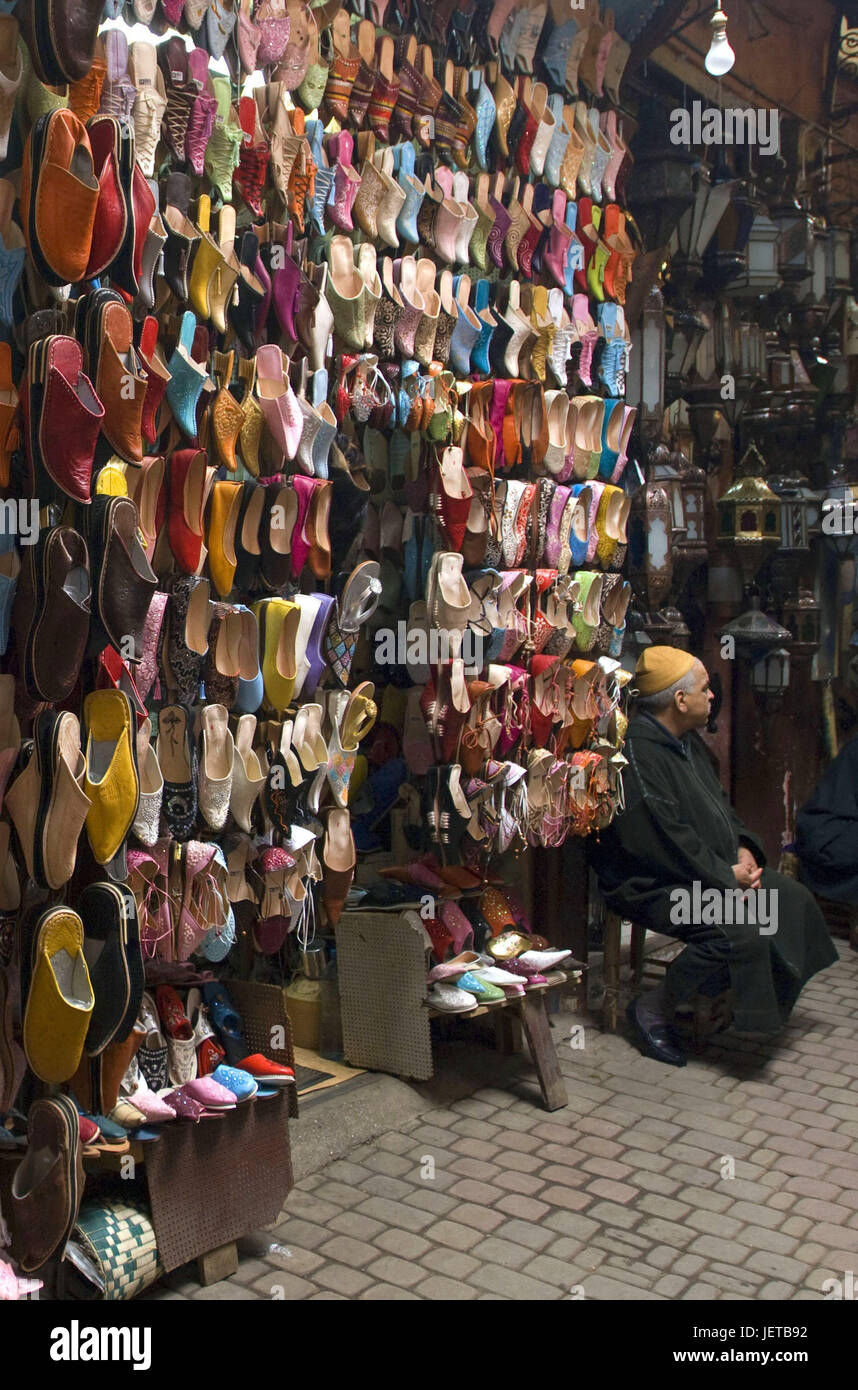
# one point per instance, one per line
(119, 1239)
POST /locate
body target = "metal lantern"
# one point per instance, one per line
(800, 511)
(666, 475)
(693, 482)
(650, 542)
(762, 275)
(795, 241)
(750, 515)
(645, 377)
(762, 642)
(726, 256)
(770, 675)
(698, 225)
(838, 261)
(661, 190)
(802, 615)
(688, 330)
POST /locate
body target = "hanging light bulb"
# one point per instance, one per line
(720, 58)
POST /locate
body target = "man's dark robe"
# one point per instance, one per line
(826, 838)
(679, 829)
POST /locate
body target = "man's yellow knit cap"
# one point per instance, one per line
(659, 667)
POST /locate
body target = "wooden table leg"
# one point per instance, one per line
(534, 1018)
(217, 1264)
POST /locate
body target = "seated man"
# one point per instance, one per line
(679, 861)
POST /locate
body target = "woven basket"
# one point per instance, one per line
(119, 1239)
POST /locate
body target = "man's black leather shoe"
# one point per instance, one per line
(660, 1042)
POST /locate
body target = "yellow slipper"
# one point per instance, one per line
(60, 999)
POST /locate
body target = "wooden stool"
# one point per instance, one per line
(611, 940)
(707, 1014)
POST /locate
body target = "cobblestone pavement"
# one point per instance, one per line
(735, 1177)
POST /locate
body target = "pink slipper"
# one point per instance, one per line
(209, 1093)
(453, 968)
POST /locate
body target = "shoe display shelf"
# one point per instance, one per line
(385, 1018)
(211, 1183)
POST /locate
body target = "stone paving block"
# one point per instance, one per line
(779, 1242)
(500, 1251)
(689, 1265)
(476, 1168)
(425, 1198)
(703, 1198)
(613, 1191)
(513, 1284)
(389, 1269)
(663, 1232)
(822, 1211)
(531, 1234)
(454, 1234)
(380, 1185)
(352, 1223)
(341, 1194)
(271, 1284)
(812, 1252)
(568, 1176)
(662, 1256)
(347, 1250)
(470, 1191)
(303, 1233)
(527, 1208)
(776, 1266)
(600, 1287)
(834, 1236)
(455, 1264)
(249, 1270)
(797, 1226)
(754, 1214)
(654, 1182)
(565, 1274)
(604, 1129)
(474, 1148)
(671, 1285)
(295, 1260)
(396, 1214)
(712, 1223)
(573, 1224)
(476, 1109)
(607, 1168)
(655, 1205)
(527, 1184)
(405, 1244)
(310, 1207)
(426, 1135)
(776, 1291)
(445, 1290)
(701, 1293)
(342, 1279)
(569, 1198)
